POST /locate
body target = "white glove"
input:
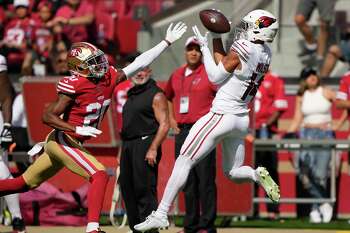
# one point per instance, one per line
(173, 34)
(202, 40)
(87, 131)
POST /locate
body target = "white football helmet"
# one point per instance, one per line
(257, 25)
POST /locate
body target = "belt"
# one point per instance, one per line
(185, 126)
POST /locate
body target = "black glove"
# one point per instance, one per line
(6, 138)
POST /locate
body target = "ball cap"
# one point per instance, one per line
(191, 40)
(24, 3)
(306, 72)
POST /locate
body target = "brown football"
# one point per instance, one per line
(214, 21)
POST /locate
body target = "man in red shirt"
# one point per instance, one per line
(190, 95)
(269, 104)
(82, 100)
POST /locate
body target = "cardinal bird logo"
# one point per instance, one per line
(264, 22)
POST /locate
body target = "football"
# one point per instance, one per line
(214, 21)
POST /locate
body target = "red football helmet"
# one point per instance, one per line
(87, 60)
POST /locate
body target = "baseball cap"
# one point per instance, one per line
(18, 3)
(306, 72)
(191, 40)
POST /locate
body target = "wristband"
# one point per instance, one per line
(168, 42)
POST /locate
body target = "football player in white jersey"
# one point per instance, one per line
(238, 74)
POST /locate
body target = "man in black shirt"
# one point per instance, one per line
(145, 126)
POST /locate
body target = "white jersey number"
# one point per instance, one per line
(96, 111)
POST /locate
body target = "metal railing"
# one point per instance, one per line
(299, 144)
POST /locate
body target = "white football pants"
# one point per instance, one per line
(204, 135)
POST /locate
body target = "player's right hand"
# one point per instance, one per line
(6, 138)
(87, 131)
(173, 34)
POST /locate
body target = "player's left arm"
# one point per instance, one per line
(161, 112)
(217, 73)
(146, 58)
(52, 113)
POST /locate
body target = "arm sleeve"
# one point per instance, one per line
(145, 59)
(216, 73)
(342, 93)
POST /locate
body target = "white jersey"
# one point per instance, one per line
(240, 87)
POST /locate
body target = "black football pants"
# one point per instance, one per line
(138, 180)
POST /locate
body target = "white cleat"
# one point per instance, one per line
(153, 221)
(269, 185)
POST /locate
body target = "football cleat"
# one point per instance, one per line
(153, 221)
(18, 226)
(97, 231)
(265, 180)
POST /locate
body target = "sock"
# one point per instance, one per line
(96, 195)
(312, 46)
(12, 200)
(10, 186)
(243, 173)
(92, 226)
(177, 180)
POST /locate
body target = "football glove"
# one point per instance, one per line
(202, 40)
(87, 131)
(6, 138)
(173, 34)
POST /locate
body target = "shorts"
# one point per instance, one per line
(325, 9)
(61, 150)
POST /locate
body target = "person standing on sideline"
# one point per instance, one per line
(145, 126)
(190, 95)
(238, 75)
(6, 139)
(269, 104)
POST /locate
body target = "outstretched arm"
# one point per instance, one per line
(146, 58)
(228, 63)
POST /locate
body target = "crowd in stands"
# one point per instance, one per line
(35, 34)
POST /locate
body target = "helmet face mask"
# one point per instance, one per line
(259, 25)
(86, 60)
(97, 64)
